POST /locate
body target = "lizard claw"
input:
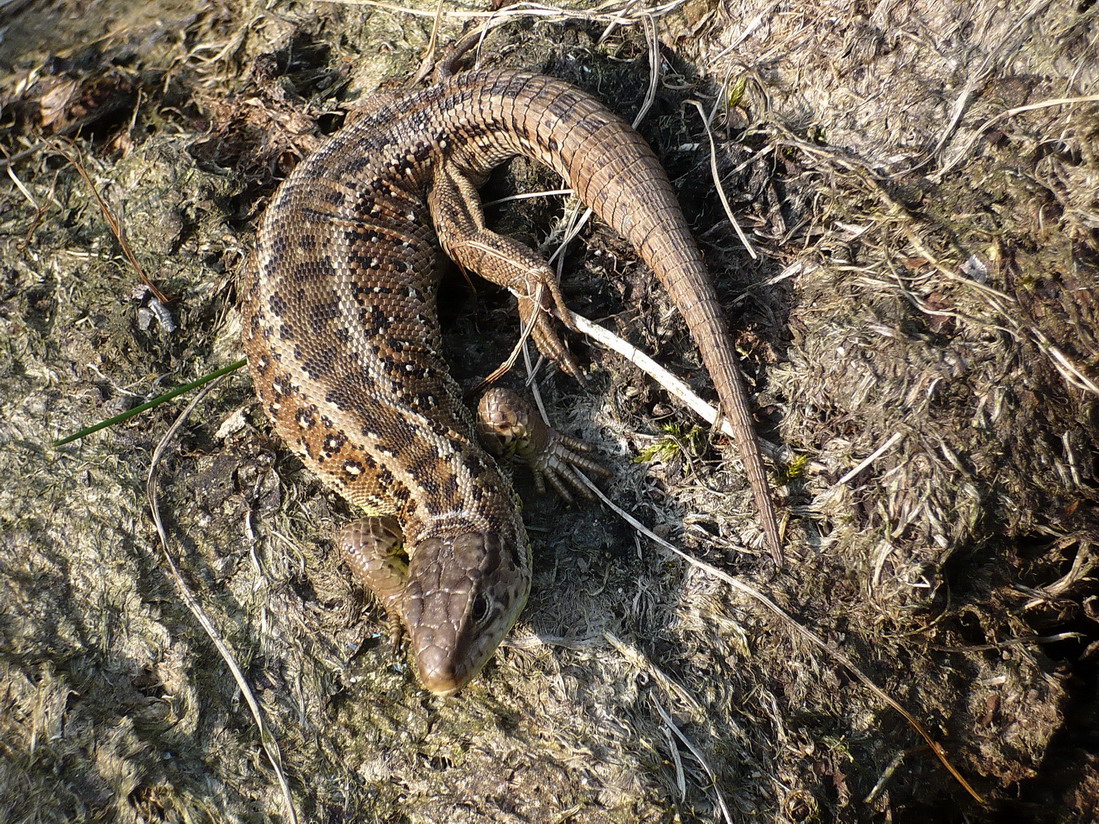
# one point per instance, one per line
(544, 334)
(558, 463)
(509, 425)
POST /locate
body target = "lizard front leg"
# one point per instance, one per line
(460, 225)
(372, 548)
(511, 426)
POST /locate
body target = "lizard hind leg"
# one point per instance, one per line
(372, 548)
(460, 224)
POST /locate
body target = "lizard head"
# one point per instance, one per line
(464, 593)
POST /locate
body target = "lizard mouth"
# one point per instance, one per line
(441, 677)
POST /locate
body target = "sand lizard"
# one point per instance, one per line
(342, 336)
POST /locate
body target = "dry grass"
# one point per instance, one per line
(917, 183)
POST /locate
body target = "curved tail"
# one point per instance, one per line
(615, 172)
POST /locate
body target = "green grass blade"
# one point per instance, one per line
(137, 410)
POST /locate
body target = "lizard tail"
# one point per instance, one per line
(615, 172)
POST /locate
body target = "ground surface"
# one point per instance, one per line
(918, 325)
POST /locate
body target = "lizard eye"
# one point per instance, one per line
(479, 612)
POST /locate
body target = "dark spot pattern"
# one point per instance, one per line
(321, 314)
(317, 365)
(333, 442)
(307, 416)
(278, 304)
(312, 271)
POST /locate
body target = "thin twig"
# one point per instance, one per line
(115, 226)
(531, 383)
(698, 757)
(507, 365)
(432, 44)
(716, 175)
(528, 196)
(23, 189)
(869, 459)
(611, 11)
(992, 122)
(267, 739)
(674, 386)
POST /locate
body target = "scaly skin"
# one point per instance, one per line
(343, 340)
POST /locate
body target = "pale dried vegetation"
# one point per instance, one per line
(913, 274)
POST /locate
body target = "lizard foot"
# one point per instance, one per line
(543, 332)
(511, 427)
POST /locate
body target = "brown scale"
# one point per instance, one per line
(342, 334)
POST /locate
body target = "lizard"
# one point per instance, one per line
(342, 336)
